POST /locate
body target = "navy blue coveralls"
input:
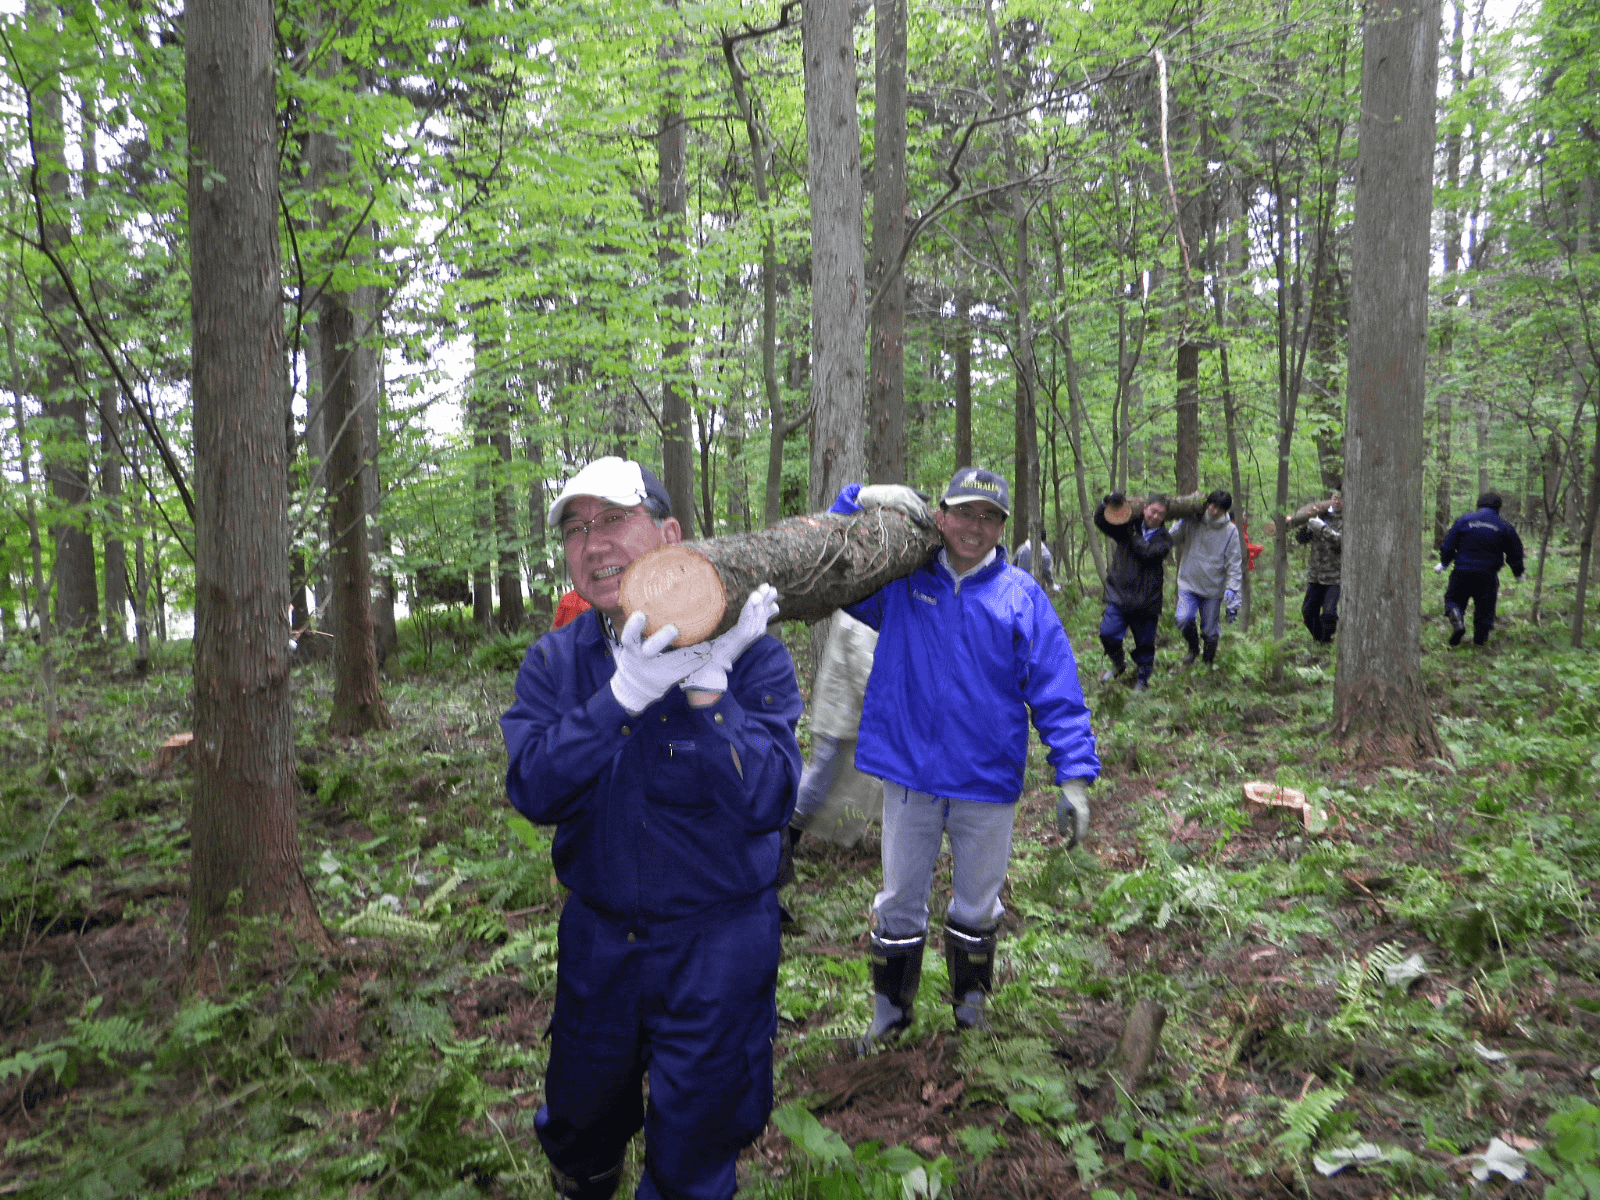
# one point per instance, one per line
(667, 962)
(1479, 543)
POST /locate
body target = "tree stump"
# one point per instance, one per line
(818, 563)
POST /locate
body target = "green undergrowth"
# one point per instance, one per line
(1408, 972)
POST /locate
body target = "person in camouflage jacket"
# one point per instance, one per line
(1321, 525)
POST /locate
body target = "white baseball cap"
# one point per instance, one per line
(619, 481)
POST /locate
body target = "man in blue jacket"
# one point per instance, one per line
(1479, 543)
(968, 647)
(669, 774)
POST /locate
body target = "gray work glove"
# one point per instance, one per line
(722, 652)
(1072, 812)
(1230, 602)
(646, 668)
(898, 497)
(1438, 568)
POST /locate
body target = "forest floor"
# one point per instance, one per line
(1408, 972)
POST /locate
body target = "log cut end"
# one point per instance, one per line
(675, 585)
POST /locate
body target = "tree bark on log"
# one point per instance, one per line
(818, 563)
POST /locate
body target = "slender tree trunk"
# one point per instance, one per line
(886, 388)
(1380, 707)
(838, 266)
(246, 850)
(358, 704)
(541, 578)
(512, 613)
(115, 557)
(1444, 414)
(1027, 519)
(368, 362)
(963, 392)
(1186, 474)
(116, 553)
(64, 406)
(1583, 381)
(672, 163)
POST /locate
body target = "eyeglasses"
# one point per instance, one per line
(986, 520)
(611, 520)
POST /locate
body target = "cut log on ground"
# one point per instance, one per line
(818, 563)
(1135, 1053)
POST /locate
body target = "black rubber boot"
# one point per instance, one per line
(596, 1187)
(1193, 638)
(1141, 681)
(1119, 662)
(1458, 623)
(969, 955)
(896, 976)
(1209, 654)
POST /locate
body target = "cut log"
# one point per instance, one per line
(1135, 1053)
(818, 563)
(1187, 508)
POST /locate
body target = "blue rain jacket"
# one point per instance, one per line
(957, 672)
(662, 815)
(1482, 541)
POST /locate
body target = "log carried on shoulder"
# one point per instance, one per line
(1186, 508)
(818, 563)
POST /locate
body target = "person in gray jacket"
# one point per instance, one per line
(1210, 575)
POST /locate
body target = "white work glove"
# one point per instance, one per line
(721, 653)
(1230, 601)
(647, 669)
(1072, 812)
(1317, 523)
(898, 497)
(1437, 568)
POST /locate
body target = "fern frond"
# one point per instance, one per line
(378, 920)
(1305, 1118)
(451, 883)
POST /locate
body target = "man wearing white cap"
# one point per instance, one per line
(969, 647)
(669, 775)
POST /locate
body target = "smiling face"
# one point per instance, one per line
(1154, 513)
(970, 531)
(601, 539)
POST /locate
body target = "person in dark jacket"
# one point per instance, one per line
(669, 775)
(969, 648)
(1135, 582)
(1479, 544)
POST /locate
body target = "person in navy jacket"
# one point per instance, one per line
(1479, 544)
(669, 775)
(969, 648)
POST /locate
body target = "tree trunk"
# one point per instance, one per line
(963, 391)
(781, 426)
(66, 441)
(358, 704)
(116, 555)
(541, 579)
(368, 363)
(1380, 708)
(512, 613)
(886, 389)
(246, 851)
(1444, 413)
(818, 563)
(1027, 520)
(480, 400)
(838, 268)
(1186, 472)
(672, 163)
